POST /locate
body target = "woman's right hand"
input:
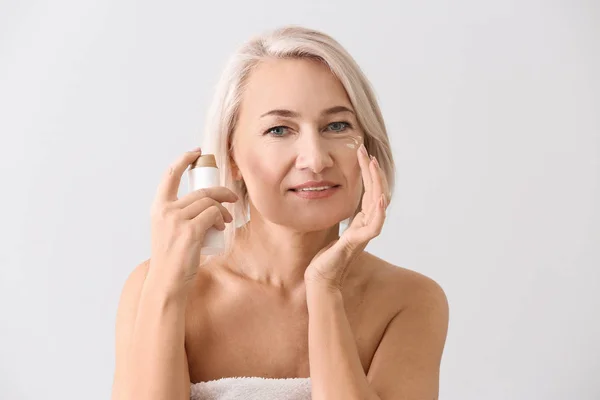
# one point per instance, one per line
(179, 225)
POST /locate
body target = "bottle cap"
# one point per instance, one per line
(205, 160)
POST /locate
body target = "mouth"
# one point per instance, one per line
(314, 188)
(315, 191)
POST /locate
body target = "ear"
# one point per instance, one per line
(235, 171)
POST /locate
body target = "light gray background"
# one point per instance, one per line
(493, 113)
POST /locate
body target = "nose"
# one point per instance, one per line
(312, 152)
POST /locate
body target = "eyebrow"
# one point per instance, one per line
(293, 114)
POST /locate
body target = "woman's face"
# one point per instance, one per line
(296, 125)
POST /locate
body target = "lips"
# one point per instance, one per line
(314, 186)
(317, 193)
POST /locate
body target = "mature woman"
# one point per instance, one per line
(291, 306)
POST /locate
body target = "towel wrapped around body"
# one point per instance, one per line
(252, 388)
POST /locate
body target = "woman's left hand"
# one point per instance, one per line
(330, 266)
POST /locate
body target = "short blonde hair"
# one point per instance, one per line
(288, 42)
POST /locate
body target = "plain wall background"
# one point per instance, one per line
(493, 113)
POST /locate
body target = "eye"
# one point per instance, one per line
(340, 126)
(276, 131)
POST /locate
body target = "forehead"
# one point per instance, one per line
(302, 85)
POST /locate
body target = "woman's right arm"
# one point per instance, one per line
(151, 362)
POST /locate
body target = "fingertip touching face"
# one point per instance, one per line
(296, 126)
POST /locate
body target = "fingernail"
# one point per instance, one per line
(376, 162)
(195, 149)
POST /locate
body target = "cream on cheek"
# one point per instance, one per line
(346, 155)
(352, 142)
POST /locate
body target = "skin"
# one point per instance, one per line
(260, 286)
(376, 330)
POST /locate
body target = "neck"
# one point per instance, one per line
(276, 255)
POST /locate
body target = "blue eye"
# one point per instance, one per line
(343, 127)
(280, 131)
(272, 132)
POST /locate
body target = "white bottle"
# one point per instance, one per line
(203, 173)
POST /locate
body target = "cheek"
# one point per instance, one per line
(357, 182)
(351, 168)
(263, 170)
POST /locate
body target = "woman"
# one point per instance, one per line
(301, 146)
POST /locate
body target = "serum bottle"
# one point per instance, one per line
(203, 173)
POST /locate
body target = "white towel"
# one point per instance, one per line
(252, 388)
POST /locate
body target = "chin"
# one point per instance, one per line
(311, 222)
(312, 217)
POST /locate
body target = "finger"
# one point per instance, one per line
(376, 224)
(192, 210)
(372, 225)
(167, 189)
(217, 193)
(371, 213)
(362, 218)
(377, 179)
(211, 217)
(363, 162)
(386, 186)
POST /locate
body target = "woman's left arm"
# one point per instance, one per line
(407, 360)
(335, 368)
(406, 363)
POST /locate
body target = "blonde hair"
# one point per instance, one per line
(288, 42)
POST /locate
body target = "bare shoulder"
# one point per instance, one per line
(134, 282)
(405, 286)
(125, 318)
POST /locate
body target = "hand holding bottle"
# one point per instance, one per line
(179, 225)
